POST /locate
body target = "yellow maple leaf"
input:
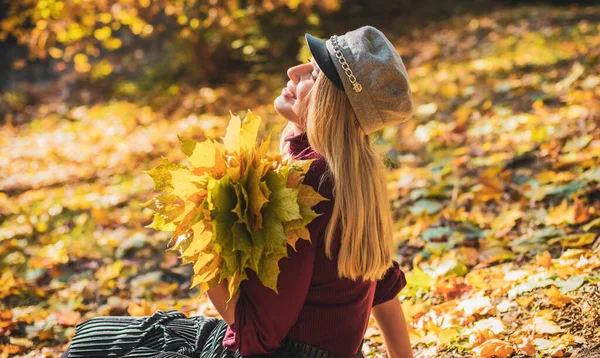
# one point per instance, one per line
(200, 240)
(204, 154)
(233, 283)
(256, 196)
(236, 168)
(294, 234)
(206, 269)
(231, 140)
(561, 214)
(183, 182)
(145, 308)
(249, 131)
(241, 135)
(543, 325)
(493, 348)
(557, 298)
(308, 196)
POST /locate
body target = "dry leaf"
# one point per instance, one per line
(493, 348)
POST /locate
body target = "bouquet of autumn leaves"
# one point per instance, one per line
(235, 207)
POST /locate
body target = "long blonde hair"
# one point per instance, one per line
(361, 202)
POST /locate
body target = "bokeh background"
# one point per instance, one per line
(495, 183)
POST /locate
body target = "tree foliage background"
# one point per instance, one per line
(494, 183)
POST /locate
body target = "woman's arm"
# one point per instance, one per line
(218, 295)
(391, 322)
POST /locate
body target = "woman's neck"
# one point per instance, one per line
(297, 130)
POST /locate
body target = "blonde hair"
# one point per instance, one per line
(361, 202)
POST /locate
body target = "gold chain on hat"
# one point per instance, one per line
(338, 53)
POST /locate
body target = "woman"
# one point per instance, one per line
(354, 85)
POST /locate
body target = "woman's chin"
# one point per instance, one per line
(283, 106)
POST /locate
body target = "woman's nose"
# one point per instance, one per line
(296, 72)
(293, 74)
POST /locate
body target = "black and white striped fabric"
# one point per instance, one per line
(168, 334)
(162, 335)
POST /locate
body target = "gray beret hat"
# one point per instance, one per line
(372, 74)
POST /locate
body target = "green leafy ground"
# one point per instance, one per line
(495, 185)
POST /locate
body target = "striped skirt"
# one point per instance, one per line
(167, 335)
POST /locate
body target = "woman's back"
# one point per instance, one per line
(314, 305)
(336, 311)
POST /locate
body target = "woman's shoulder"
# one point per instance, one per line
(318, 162)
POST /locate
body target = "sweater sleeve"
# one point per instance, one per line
(262, 317)
(390, 285)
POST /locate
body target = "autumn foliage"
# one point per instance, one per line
(237, 207)
(494, 186)
(101, 37)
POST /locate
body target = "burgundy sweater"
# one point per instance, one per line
(313, 306)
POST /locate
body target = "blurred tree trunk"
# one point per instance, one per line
(203, 60)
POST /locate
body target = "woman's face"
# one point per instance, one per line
(292, 102)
